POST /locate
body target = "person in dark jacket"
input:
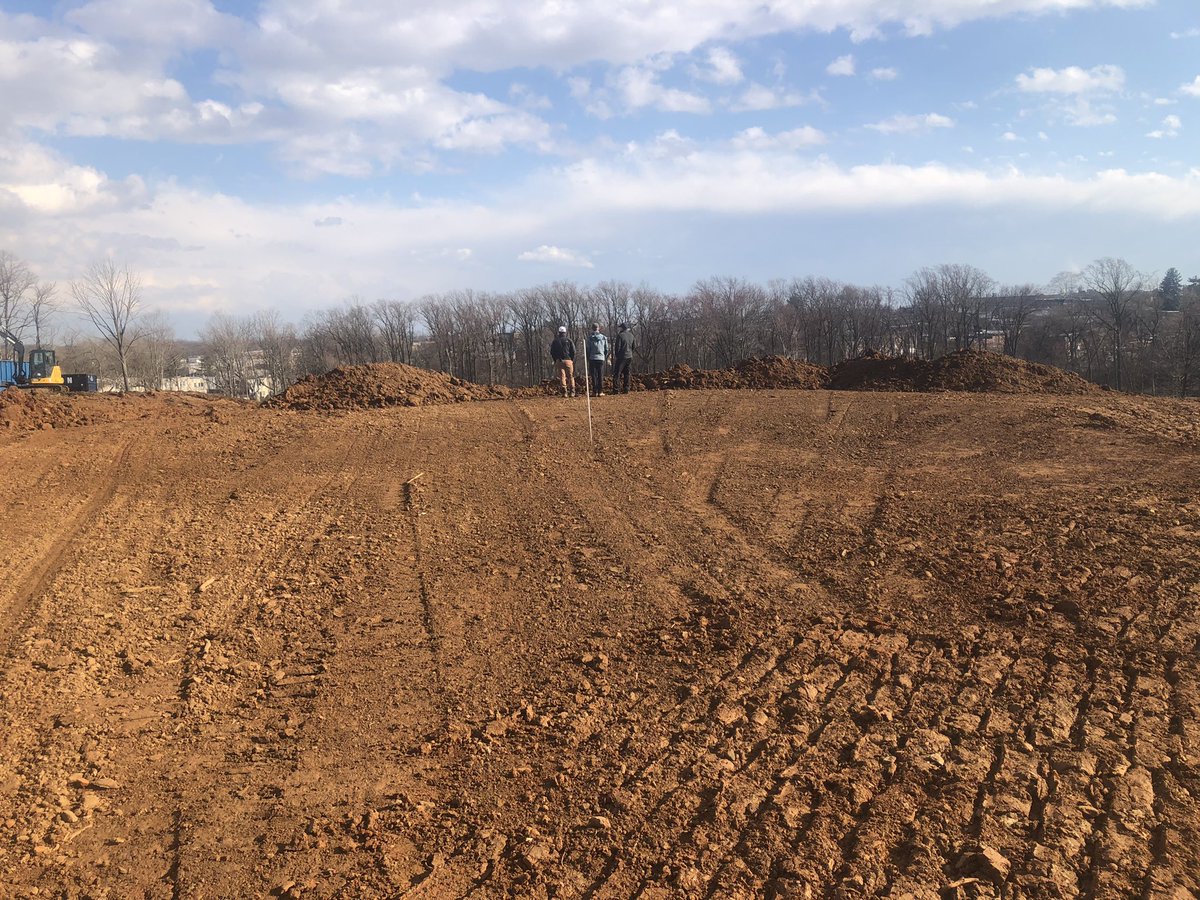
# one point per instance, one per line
(597, 353)
(562, 351)
(623, 345)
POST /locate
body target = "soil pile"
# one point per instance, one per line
(684, 377)
(380, 384)
(975, 370)
(757, 372)
(967, 370)
(30, 410)
(877, 372)
(780, 372)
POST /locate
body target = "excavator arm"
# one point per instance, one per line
(18, 355)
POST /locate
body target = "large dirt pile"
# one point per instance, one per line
(380, 384)
(30, 410)
(756, 372)
(877, 372)
(966, 370)
(974, 370)
(780, 372)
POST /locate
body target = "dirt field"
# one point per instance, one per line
(774, 643)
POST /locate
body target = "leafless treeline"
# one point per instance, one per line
(1108, 323)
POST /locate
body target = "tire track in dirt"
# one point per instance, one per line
(41, 573)
(643, 701)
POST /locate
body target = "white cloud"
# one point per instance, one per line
(166, 24)
(489, 35)
(723, 67)
(1010, 137)
(744, 182)
(884, 74)
(1072, 80)
(547, 253)
(1169, 129)
(1188, 33)
(1081, 112)
(639, 87)
(1192, 88)
(202, 249)
(905, 124)
(40, 182)
(795, 139)
(843, 65)
(758, 97)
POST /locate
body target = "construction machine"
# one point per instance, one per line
(40, 373)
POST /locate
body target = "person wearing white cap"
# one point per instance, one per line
(562, 351)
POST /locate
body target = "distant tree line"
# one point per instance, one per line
(1109, 323)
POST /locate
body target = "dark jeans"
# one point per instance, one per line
(621, 368)
(596, 374)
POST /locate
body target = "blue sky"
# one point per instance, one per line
(295, 153)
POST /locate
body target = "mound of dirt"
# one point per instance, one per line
(757, 372)
(976, 370)
(380, 384)
(877, 372)
(29, 410)
(781, 372)
(966, 370)
(684, 377)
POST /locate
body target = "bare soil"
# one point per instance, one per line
(761, 643)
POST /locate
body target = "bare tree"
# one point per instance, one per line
(227, 353)
(16, 282)
(1182, 347)
(110, 296)
(156, 353)
(396, 323)
(1117, 286)
(1011, 313)
(732, 309)
(961, 289)
(277, 342)
(42, 305)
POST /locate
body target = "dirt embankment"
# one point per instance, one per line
(378, 385)
(971, 370)
(756, 372)
(36, 410)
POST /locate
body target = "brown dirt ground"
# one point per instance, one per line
(772, 643)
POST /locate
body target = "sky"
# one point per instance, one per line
(294, 154)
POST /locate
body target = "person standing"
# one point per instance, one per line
(562, 351)
(623, 345)
(597, 353)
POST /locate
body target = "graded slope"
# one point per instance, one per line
(777, 643)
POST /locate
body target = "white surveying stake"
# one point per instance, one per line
(587, 392)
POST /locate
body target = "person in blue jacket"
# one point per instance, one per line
(597, 353)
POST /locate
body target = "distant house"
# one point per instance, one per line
(195, 384)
